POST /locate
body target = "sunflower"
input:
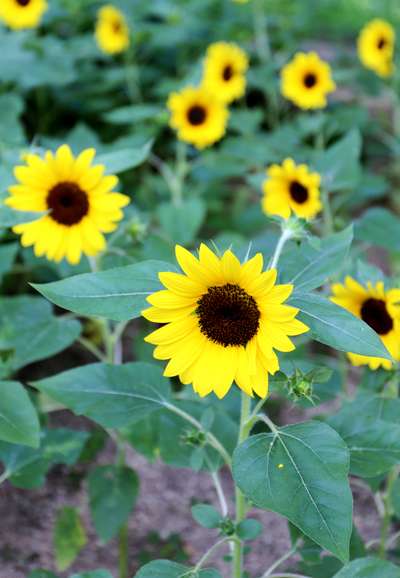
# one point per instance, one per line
(306, 81)
(222, 321)
(291, 188)
(77, 199)
(198, 116)
(376, 46)
(19, 14)
(112, 31)
(225, 66)
(379, 309)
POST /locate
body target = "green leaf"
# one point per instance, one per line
(118, 294)
(167, 569)
(93, 574)
(369, 568)
(182, 222)
(339, 164)
(69, 537)
(109, 394)
(335, 326)
(43, 334)
(307, 267)
(113, 492)
(374, 444)
(301, 472)
(26, 467)
(19, 423)
(206, 515)
(41, 574)
(249, 529)
(378, 226)
(125, 159)
(133, 114)
(7, 256)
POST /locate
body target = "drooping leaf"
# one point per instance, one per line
(69, 537)
(118, 294)
(112, 495)
(19, 423)
(299, 471)
(335, 326)
(111, 395)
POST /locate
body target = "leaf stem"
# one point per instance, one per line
(282, 559)
(240, 500)
(207, 554)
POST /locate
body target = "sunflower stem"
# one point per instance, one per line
(261, 32)
(132, 76)
(240, 500)
(286, 234)
(388, 510)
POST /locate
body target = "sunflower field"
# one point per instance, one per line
(200, 289)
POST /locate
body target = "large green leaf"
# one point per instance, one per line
(307, 267)
(167, 569)
(373, 441)
(134, 113)
(339, 164)
(301, 472)
(335, 326)
(369, 568)
(19, 423)
(125, 159)
(30, 332)
(112, 495)
(182, 222)
(26, 467)
(118, 294)
(378, 226)
(69, 537)
(109, 394)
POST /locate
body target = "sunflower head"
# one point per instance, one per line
(291, 188)
(112, 31)
(20, 14)
(77, 200)
(376, 47)
(307, 80)
(222, 321)
(380, 309)
(198, 116)
(225, 67)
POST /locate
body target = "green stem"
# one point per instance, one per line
(240, 500)
(328, 227)
(261, 32)
(214, 547)
(286, 234)
(132, 76)
(182, 168)
(388, 510)
(123, 558)
(282, 559)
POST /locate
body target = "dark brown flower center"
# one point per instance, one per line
(117, 26)
(23, 2)
(228, 315)
(227, 73)
(381, 43)
(298, 192)
(196, 114)
(310, 80)
(68, 203)
(375, 314)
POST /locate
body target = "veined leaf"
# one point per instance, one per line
(19, 423)
(125, 159)
(369, 568)
(167, 569)
(335, 326)
(118, 294)
(301, 472)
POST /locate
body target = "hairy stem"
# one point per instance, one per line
(240, 500)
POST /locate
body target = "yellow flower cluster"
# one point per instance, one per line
(200, 114)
